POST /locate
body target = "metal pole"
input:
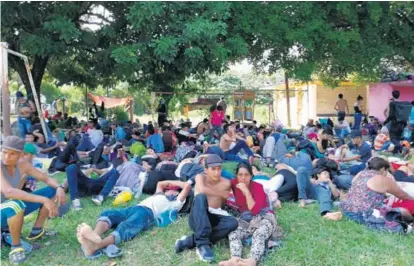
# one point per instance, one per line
(86, 103)
(5, 97)
(287, 97)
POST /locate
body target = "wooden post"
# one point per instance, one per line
(287, 98)
(131, 111)
(86, 103)
(5, 97)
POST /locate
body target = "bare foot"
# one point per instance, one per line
(302, 203)
(87, 233)
(277, 204)
(247, 262)
(231, 262)
(88, 246)
(333, 216)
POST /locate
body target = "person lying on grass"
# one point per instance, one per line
(207, 220)
(16, 203)
(256, 219)
(129, 222)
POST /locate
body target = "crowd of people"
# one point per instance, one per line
(345, 171)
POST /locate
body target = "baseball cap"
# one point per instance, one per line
(312, 136)
(13, 143)
(356, 134)
(30, 148)
(213, 160)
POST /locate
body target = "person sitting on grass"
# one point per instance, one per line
(154, 141)
(207, 220)
(80, 185)
(253, 205)
(383, 142)
(232, 144)
(43, 150)
(16, 203)
(364, 203)
(355, 154)
(129, 222)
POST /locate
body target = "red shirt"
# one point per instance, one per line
(217, 118)
(258, 194)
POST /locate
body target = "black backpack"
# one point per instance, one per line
(400, 111)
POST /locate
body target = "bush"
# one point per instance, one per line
(120, 115)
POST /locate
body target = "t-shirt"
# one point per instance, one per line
(217, 117)
(343, 125)
(364, 151)
(411, 118)
(159, 203)
(155, 142)
(184, 133)
(380, 140)
(258, 195)
(96, 136)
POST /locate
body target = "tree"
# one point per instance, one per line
(331, 39)
(48, 31)
(165, 42)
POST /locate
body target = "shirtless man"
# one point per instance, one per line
(16, 203)
(231, 144)
(341, 105)
(207, 220)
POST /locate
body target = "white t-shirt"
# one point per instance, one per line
(96, 136)
(159, 204)
(184, 133)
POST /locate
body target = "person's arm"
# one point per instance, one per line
(186, 187)
(353, 158)
(200, 187)
(46, 150)
(393, 188)
(346, 106)
(14, 193)
(41, 176)
(240, 138)
(333, 188)
(336, 106)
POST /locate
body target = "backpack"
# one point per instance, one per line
(400, 111)
(138, 149)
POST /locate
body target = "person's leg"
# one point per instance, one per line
(222, 226)
(199, 222)
(12, 215)
(76, 181)
(236, 245)
(260, 236)
(96, 155)
(324, 197)
(343, 181)
(304, 185)
(241, 145)
(112, 176)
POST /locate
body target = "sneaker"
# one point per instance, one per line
(97, 200)
(205, 253)
(76, 205)
(181, 244)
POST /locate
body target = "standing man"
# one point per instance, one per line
(207, 220)
(392, 122)
(341, 105)
(162, 113)
(16, 203)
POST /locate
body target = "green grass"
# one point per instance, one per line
(310, 240)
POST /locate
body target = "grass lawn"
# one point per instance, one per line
(310, 240)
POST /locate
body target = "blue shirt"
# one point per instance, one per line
(364, 150)
(411, 119)
(155, 142)
(300, 159)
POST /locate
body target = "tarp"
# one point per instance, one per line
(109, 102)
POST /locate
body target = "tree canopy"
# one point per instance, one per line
(159, 45)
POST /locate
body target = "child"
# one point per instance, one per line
(382, 141)
(29, 154)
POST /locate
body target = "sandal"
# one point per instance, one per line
(17, 256)
(33, 237)
(112, 251)
(25, 245)
(94, 256)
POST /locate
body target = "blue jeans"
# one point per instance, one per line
(208, 228)
(240, 145)
(320, 192)
(214, 129)
(342, 133)
(357, 120)
(128, 222)
(80, 185)
(343, 181)
(374, 223)
(9, 207)
(24, 126)
(85, 144)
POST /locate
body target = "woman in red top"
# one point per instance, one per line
(251, 201)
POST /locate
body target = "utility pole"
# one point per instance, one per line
(287, 98)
